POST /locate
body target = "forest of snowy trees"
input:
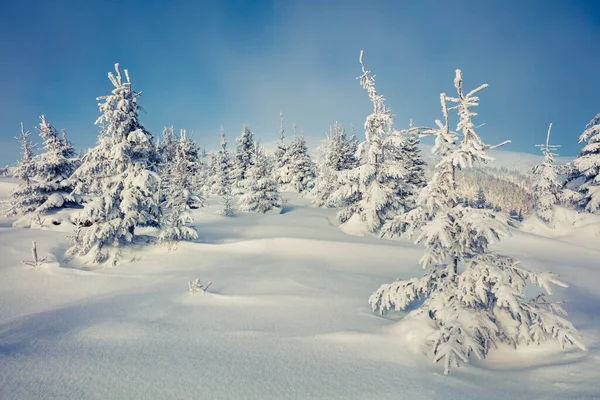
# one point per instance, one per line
(456, 206)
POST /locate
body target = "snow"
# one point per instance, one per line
(286, 316)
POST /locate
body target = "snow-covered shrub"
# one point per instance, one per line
(260, 190)
(121, 175)
(546, 185)
(197, 286)
(473, 297)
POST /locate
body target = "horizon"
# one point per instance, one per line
(208, 64)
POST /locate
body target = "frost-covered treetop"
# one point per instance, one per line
(120, 110)
(548, 149)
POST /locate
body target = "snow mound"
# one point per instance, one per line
(569, 225)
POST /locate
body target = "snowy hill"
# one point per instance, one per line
(285, 317)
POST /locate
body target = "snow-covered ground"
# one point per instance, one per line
(286, 316)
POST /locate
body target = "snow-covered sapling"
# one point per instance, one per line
(37, 262)
(546, 186)
(197, 286)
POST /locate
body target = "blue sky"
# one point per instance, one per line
(203, 64)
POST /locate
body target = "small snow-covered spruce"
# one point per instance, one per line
(197, 286)
(37, 262)
(53, 169)
(243, 158)
(167, 146)
(223, 169)
(260, 190)
(587, 169)
(376, 187)
(27, 197)
(281, 172)
(120, 173)
(179, 198)
(546, 185)
(337, 154)
(5, 171)
(483, 303)
(415, 162)
(300, 168)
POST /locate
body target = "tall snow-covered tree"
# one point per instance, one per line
(167, 146)
(281, 158)
(300, 168)
(414, 160)
(223, 169)
(546, 185)
(377, 186)
(473, 298)
(223, 181)
(27, 197)
(260, 189)
(587, 168)
(121, 173)
(243, 157)
(179, 197)
(53, 169)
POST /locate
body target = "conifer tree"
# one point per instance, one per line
(587, 168)
(179, 198)
(53, 169)
(376, 186)
(546, 185)
(300, 168)
(484, 302)
(223, 169)
(243, 158)
(338, 154)
(260, 191)
(121, 172)
(26, 198)
(281, 167)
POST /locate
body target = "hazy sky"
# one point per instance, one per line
(203, 64)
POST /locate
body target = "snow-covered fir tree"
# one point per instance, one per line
(281, 172)
(587, 168)
(179, 198)
(415, 163)
(53, 169)
(337, 154)
(473, 298)
(480, 201)
(121, 173)
(222, 186)
(261, 194)
(546, 185)
(27, 197)
(243, 158)
(378, 185)
(223, 169)
(300, 167)
(167, 146)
